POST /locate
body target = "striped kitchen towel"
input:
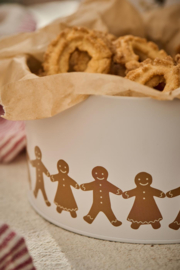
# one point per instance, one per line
(12, 138)
(14, 254)
(14, 18)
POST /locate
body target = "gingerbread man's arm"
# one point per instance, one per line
(130, 193)
(33, 162)
(88, 186)
(73, 183)
(44, 170)
(173, 193)
(113, 189)
(54, 177)
(158, 193)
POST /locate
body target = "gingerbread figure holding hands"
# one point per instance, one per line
(64, 198)
(101, 201)
(40, 169)
(144, 210)
(175, 225)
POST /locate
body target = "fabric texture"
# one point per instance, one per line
(14, 254)
(14, 19)
(12, 138)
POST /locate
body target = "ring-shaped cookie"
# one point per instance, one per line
(79, 60)
(130, 51)
(161, 74)
(59, 51)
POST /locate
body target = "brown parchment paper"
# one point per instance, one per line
(25, 96)
(163, 27)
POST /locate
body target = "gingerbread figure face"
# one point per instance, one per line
(62, 167)
(38, 153)
(143, 179)
(100, 173)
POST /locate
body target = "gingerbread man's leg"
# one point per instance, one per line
(73, 214)
(36, 191)
(89, 218)
(156, 225)
(59, 209)
(175, 225)
(135, 225)
(45, 196)
(112, 218)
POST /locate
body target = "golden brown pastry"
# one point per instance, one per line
(130, 51)
(79, 59)
(161, 74)
(95, 58)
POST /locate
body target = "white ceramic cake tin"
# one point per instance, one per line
(109, 168)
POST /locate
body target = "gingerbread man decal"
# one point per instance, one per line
(64, 198)
(40, 169)
(175, 225)
(101, 201)
(144, 210)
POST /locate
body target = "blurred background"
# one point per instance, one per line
(28, 2)
(28, 15)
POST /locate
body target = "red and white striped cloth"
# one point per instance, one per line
(12, 138)
(14, 18)
(14, 254)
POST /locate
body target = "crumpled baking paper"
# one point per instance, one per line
(163, 27)
(26, 96)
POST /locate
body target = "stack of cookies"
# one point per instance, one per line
(79, 49)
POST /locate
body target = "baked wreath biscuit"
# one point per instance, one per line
(107, 38)
(161, 74)
(79, 59)
(60, 50)
(129, 51)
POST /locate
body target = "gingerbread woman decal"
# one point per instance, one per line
(144, 210)
(64, 198)
(101, 201)
(40, 169)
(175, 225)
